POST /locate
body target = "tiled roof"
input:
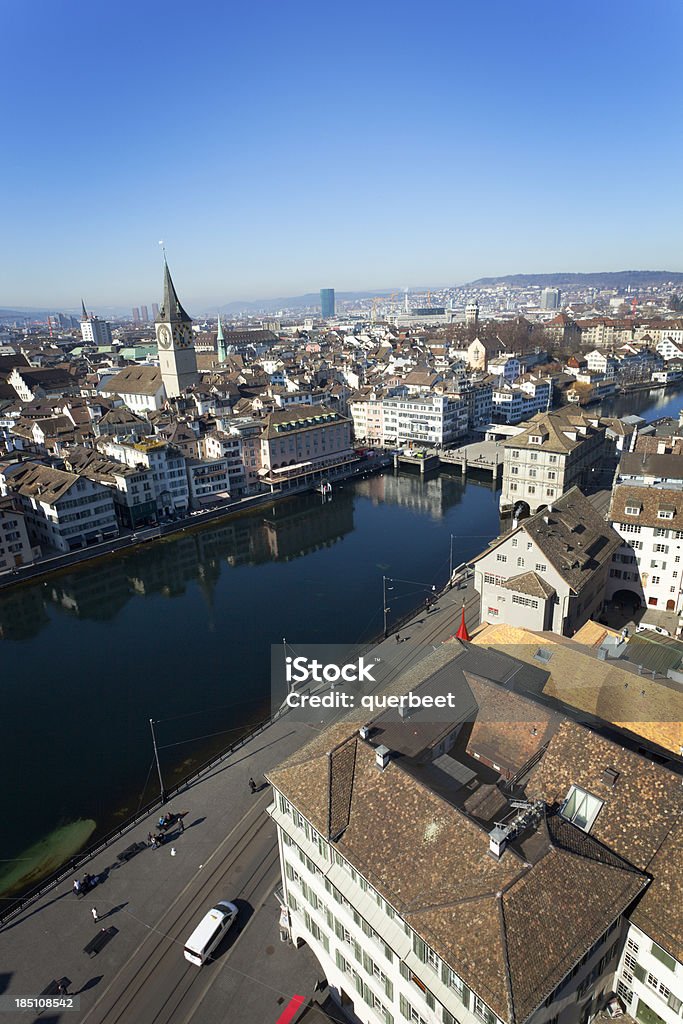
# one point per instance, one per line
(611, 690)
(554, 429)
(529, 583)
(134, 380)
(42, 482)
(574, 537)
(659, 911)
(638, 811)
(650, 501)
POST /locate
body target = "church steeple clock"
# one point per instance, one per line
(175, 343)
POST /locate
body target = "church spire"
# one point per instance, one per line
(220, 342)
(170, 309)
(85, 312)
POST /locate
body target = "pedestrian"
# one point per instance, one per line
(150, 839)
(398, 638)
(252, 785)
(95, 915)
(181, 823)
(63, 988)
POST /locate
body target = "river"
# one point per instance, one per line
(181, 632)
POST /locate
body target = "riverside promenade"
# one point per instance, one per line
(227, 850)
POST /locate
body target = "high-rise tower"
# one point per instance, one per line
(327, 303)
(177, 356)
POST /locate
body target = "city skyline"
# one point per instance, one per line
(351, 151)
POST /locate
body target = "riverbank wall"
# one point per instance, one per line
(165, 531)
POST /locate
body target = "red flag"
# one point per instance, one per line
(462, 633)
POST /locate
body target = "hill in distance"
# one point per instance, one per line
(605, 279)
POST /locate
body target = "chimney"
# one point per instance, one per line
(498, 837)
(382, 757)
(546, 520)
(661, 448)
(364, 731)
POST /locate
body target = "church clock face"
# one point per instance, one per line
(183, 338)
(164, 337)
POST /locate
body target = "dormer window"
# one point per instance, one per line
(665, 513)
(632, 510)
(536, 439)
(581, 808)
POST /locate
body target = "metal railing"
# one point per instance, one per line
(19, 903)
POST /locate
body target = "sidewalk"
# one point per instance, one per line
(47, 938)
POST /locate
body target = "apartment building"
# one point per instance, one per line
(228, 448)
(646, 511)
(208, 481)
(426, 896)
(429, 419)
(132, 487)
(16, 548)
(519, 401)
(62, 511)
(302, 445)
(170, 489)
(478, 398)
(554, 452)
(551, 571)
(600, 361)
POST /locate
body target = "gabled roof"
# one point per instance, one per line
(529, 583)
(134, 380)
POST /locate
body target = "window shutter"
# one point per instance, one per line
(405, 973)
(389, 988)
(405, 1006)
(419, 948)
(367, 962)
(339, 960)
(431, 1002)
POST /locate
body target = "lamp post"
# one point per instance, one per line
(384, 605)
(156, 758)
(450, 567)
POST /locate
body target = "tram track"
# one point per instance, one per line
(160, 956)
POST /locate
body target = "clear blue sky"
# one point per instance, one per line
(282, 147)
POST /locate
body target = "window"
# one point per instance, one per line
(541, 567)
(514, 542)
(581, 808)
(632, 510)
(624, 993)
(663, 957)
(501, 558)
(656, 579)
(665, 513)
(662, 548)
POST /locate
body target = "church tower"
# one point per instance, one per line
(177, 356)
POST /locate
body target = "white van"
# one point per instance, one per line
(209, 932)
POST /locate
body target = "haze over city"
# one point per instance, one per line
(277, 150)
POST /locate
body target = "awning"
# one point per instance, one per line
(289, 469)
